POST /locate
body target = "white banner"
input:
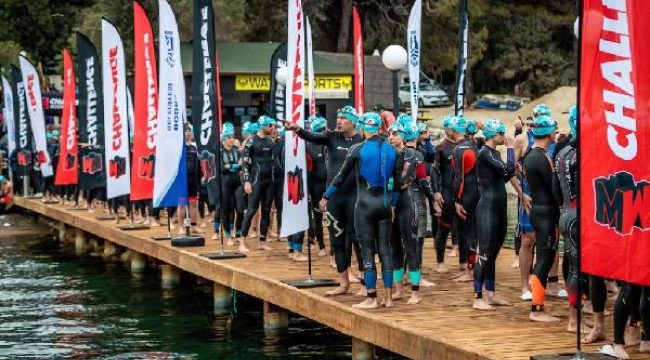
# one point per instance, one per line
(413, 41)
(116, 125)
(295, 209)
(129, 113)
(312, 79)
(170, 182)
(36, 116)
(8, 114)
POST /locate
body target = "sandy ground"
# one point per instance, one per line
(560, 101)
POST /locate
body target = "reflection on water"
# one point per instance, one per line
(57, 305)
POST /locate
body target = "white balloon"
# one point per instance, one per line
(576, 28)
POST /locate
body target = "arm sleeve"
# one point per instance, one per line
(346, 169)
(435, 173)
(506, 170)
(248, 161)
(465, 161)
(557, 189)
(397, 180)
(224, 161)
(423, 180)
(320, 139)
(431, 151)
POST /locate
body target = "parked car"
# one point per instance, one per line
(430, 95)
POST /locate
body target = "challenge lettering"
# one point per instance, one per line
(615, 40)
(152, 97)
(23, 119)
(298, 92)
(206, 116)
(117, 124)
(91, 103)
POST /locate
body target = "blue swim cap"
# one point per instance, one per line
(246, 128)
(2, 179)
(472, 129)
(49, 136)
(318, 125)
(265, 121)
(459, 124)
(403, 118)
(349, 113)
(492, 127)
(371, 122)
(56, 133)
(447, 122)
(411, 131)
(541, 109)
(543, 125)
(396, 127)
(573, 120)
(422, 127)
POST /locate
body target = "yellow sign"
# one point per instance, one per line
(262, 83)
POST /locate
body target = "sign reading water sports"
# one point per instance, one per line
(614, 108)
(262, 83)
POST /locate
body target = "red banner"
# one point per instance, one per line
(615, 140)
(145, 107)
(359, 101)
(67, 169)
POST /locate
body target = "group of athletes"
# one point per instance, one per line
(374, 182)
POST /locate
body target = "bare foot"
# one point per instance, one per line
(332, 262)
(442, 269)
(464, 278)
(515, 264)
(197, 230)
(341, 290)
(573, 328)
(264, 246)
(398, 294)
(230, 242)
(481, 304)
(322, 253)
(243, 248)
(632, 336)
(596, 334)
(426, 283)
(497, 300)
(363, 292)
(388, 300)
(541, 316)
(370, 303)
(215, 236)
(300, 257)
(352, 278)
(645, 347)
(619, 351)
(453, 252)
(415, 298)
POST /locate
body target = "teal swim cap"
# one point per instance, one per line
(472, 129)
(349, 113)
(318, 125)
(573, 120)
(493, 127)
(544, 125)
(541, 109)
(371, 122)
(447, 121)
(459, 124)
(265, 121)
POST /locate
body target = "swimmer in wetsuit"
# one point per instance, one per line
(491, 211)
(374, 162)
(340, 208)
(405, 242)
(544, 215)
(258, 179)
(466, 196)
(443, 187)
(316, 180)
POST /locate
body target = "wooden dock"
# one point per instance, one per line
(442, 327)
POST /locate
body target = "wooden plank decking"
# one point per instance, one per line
(443, 326)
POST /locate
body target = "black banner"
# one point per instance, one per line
(204, 99)
(92, 173)
(278, 96)
(22, 124)
(463, 45)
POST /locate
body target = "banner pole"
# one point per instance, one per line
(25, 186)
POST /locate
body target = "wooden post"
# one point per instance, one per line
(62, 230)
(221, 297)
(171, 276)
(275, 318)
(362, 350)
(138, 262)
(109, 249)
(80, 241)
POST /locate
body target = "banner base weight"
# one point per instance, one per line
(310, 283)
(188, 241)
(224, 255)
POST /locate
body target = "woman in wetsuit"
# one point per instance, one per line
(375, 162)
(491, 211)
(544, 215)
(316, 180)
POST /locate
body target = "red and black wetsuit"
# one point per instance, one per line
(466, 193)
(443, 182)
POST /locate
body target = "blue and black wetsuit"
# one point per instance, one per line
(258, 170)
(232, 191)
(316, 183)
(466, 193)
(491, 214)
(375, 162)
(443, 183)
(544, 216)
(340, 207)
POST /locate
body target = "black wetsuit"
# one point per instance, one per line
(405, 242)
(258, 170)
(466, 193)
(375, 162)
(443, 183)
(340, 207)
(428, 153)
(544, 216)
(491, 214)
(232, 192)
(632, 306)
(316, 181)
(278, 178)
